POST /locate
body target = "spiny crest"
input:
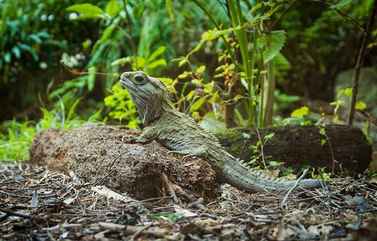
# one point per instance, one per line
(257, 172)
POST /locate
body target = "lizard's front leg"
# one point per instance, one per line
(149, 134)
(201, 151)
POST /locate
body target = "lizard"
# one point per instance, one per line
(181, 134)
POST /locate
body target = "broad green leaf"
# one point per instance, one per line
(281, 62)
(121, 61)
(208, 88)
(341, 4)
(7, 57)
(157, 53)
(211, 35)
(113, 8)
(201, 69)
(182, 62)
(166, 81)
(197, 104)
(72, 109)
(138, 63)
(91, 77)
(170, 9)
(360, 105)
(347, 92)
(86, 10)
(157, 63)
(184, 75)
(16, 52)
(104, 37)
(300, 112)
(274, 42)
(36, 39)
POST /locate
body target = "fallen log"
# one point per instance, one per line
(101, 155)
(336, 147)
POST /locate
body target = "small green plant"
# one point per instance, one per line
(258, 148)
(172, 217)
(342, 101)
(16, 137)
(121, 106)
(321, 174)
(15, 140)
(119, 102)
(299, 116)
(251, 51)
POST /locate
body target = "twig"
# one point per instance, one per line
(261, 147)
(11, 213)
(342, 14)
(292, 188)
(274, 23)
(169, 187)
(138, 232)
(360, 61)
(369, 117)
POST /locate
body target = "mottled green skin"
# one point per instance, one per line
(181, 134)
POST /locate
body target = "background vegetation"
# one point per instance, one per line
(226, 62)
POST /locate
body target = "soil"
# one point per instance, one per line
(40, 204)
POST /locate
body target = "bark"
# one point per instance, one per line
(339, 147)
(102, 155)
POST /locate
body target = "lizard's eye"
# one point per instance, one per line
(139, 78)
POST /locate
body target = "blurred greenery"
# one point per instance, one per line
(246, 63)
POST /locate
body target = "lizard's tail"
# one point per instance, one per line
(255, 181)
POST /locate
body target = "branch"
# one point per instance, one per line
(360, 61)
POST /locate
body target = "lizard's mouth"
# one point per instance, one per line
(127, 83)
(125, 80)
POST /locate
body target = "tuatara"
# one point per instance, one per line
(181, 134)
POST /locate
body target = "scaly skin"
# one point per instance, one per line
(181, 134)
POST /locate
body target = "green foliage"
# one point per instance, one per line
(20, 45)
(243, 30)
(238, 57)
(87, 10)
(172, 217)
(300, 112)
(121, 106)
(271, 44)
(15, 140)
(16, 137)
(148, 64)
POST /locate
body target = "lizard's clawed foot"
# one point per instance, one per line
(134, 139)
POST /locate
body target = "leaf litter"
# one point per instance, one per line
(39, 204)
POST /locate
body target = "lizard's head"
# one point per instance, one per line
(148, 93)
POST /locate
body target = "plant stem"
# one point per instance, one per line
(237, 23)
(269, 88)
(360, 61)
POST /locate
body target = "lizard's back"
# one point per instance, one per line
(180, 133)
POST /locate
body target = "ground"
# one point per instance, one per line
(39, 204)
